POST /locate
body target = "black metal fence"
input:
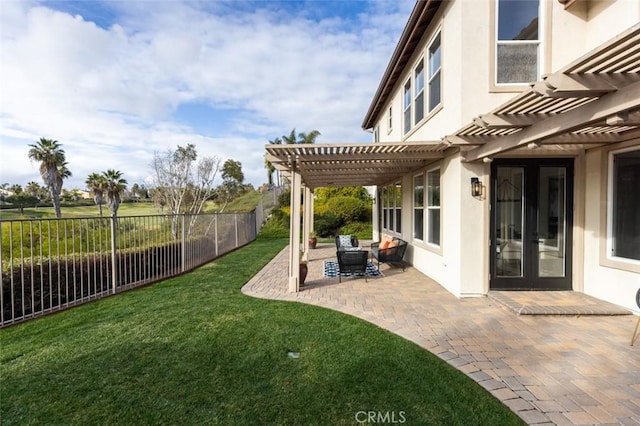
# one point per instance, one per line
(53, 264)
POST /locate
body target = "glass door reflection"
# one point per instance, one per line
(509, 221)
(551, 232)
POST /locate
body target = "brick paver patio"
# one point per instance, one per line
(564, 370)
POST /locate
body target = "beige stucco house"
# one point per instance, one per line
(506, 148)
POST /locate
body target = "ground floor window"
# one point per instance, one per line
(433, 207)
(624, 202)
(392, 207)
(418, 207)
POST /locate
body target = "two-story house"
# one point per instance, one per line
(506, 148)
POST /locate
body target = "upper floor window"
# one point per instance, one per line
(390, 118)
(624, 205)
(418, 78)
(406, 105)
(434, 73)
(376, 134)
(517, 41)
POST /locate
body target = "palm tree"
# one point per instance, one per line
(113, 188)
(96, 185)
(291, 139)
(301, 137)
(308, 137)
(52, 167)
(32, 188)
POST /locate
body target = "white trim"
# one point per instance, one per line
(407, 107)
(429, 108)
(422, 176)
(423, 91)
(540, 63)
(428, 232)
(609, 219)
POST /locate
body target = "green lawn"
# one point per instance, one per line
(195, 350)
(128, 209)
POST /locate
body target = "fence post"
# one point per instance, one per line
(215, 230)
(114, 268)
(235, 220)
(183, 250)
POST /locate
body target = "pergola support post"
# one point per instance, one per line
(307, 221)
(294, 232)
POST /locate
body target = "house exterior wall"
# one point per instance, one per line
(586, 25)
(461, 263)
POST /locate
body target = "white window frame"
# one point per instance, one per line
(497, 41)
(436, 73)
(610, 193)
(420, 92)
(406, 107)
(390, 120)
(428, 231)
(397, 211)
(419, 178)
(376, 134)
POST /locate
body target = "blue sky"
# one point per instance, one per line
(117, 81)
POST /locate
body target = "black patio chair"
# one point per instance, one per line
(352, 262)
(392, 255)
(346, 242)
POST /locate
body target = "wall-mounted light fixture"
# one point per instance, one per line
(476, 187)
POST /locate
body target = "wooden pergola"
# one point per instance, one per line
(594, 101)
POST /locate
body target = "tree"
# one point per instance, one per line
(53, 167)
(139, 191)
(23, 200)
(114, 186)
(292, 138)
(16, 189)
(33, 188)
(300, 138)
(232, 181)
(96, 183)
(308, 137)
(182, 183)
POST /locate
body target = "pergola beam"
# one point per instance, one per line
(573, 86)
(508, 121)
(593, 112)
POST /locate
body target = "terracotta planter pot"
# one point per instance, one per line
(304, 269)
(312, 242)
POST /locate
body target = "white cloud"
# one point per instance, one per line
(107, 93)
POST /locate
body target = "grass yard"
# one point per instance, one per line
(126, 209)
(195, 350)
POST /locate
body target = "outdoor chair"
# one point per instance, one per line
(347, 242)
(352, 262)
(391, 253)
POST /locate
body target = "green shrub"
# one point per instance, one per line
(362, 230)
(327, 225)
(349, 209)
(277, 226)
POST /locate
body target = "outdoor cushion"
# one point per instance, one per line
(385, 244)
(345, 241)
(392, 244)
